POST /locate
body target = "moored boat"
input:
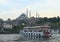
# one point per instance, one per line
(36, 31)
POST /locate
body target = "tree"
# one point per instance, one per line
(55, 25)
(18, 27)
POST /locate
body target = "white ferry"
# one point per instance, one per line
(36, 31)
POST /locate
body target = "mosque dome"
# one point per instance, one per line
(22, 16)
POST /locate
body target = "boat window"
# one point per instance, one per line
(39, 34)
(26, 33)
(55, 30)
(31, 33)
(39, 30)
(30, 30)
(25, 30)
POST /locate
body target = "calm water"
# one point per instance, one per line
(17, 38)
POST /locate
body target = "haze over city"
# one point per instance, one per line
(13, 8)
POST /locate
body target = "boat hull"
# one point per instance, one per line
(36, 34)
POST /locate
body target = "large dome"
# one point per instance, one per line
(22, 16)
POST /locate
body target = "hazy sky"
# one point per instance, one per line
(13, 8)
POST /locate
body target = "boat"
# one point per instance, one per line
(36, 31)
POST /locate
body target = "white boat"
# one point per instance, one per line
(36, 31)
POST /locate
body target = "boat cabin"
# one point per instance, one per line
(36, 30)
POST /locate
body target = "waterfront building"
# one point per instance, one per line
(1, 24)
(55, 31)
(7, 26)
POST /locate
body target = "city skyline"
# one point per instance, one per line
(13, 8)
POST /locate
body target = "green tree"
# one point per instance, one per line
(19, 27)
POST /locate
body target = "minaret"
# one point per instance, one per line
(36, 15)
(30, 14)
(27, 12)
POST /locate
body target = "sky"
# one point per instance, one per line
(13, 8)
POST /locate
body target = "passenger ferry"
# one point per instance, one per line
(36, 31)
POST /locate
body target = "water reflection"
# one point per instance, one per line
(17, 38)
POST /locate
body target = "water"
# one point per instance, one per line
(17, 38)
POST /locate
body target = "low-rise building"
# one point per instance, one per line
(55, 31)
(6, 25)
(1, 24)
